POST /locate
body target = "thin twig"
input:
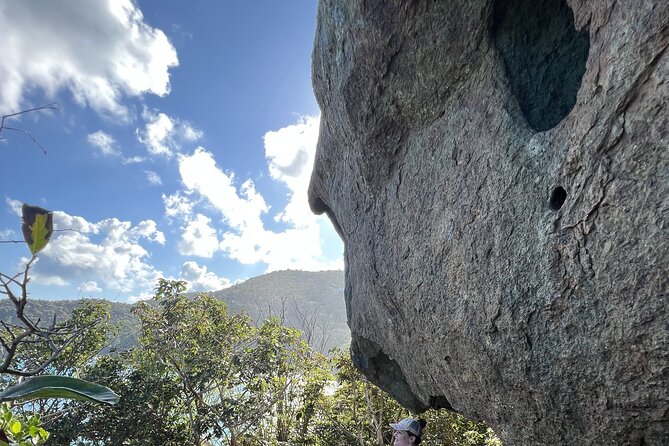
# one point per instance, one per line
(29, 136)
(51, 106)
(55, 230)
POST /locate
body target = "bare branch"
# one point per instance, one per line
(29, 136)
(56, 338)
(55, 230)
(51, 106)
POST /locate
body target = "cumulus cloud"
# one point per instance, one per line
(14, 206)
(157, 134)
(106, 146)
(163, 135)
(153, 178)
(149, 230)
(144, 295)
(241, 209)
(198, 238)
(177, 206)
(290, 153)
(104, 142)
(199, 279)
(107, 254)
(90, 286)
(100, 52)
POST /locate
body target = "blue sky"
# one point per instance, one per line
(181, 147)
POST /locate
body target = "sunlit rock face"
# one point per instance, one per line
(499, 173)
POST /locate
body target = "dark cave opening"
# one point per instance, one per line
(544, 57)
(558, 197)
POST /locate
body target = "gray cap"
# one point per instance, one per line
(409, 425)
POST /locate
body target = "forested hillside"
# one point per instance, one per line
(312, 302)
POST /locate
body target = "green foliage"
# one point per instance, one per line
(20, 431)
(54, 386)
(202, 375)
(90, 320)
(198, 373)
(445, 427)
(115, 318)
(30, 349)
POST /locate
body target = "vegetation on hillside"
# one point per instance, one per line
(312, 302)
(202, 375)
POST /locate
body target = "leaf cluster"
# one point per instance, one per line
(19, 431)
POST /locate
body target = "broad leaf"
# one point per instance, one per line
(52, 386)
(37, 227)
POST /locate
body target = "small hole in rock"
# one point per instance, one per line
(558, 197)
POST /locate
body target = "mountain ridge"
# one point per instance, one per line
(311, 301)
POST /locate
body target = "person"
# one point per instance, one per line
(408, 432)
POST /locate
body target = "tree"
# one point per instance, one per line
(199, 374)
(203, 376)
(359, 413)
(29, 347)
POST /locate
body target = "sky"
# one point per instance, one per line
(181, 146)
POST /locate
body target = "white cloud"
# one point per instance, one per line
(107, 146)
(104, 142)
(153, 178)
(241, 209)
(14, 206)
(90, 286)
(290, 153)
(163, 135)
(177, 206)
(133, 160)
(7, 234)
(189, 133)
(157, 134)
(144, 295)
(149, 230)
(100, 51)
(199, 279)
(198, 238)
(51, 280)
(109, 252)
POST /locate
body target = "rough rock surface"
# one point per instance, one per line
(499, 173)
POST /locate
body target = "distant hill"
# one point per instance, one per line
(46, 309)
(312, 302)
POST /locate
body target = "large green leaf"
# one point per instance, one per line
(53, 386)
(37, 227)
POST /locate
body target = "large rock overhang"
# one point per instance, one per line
(498, 171)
